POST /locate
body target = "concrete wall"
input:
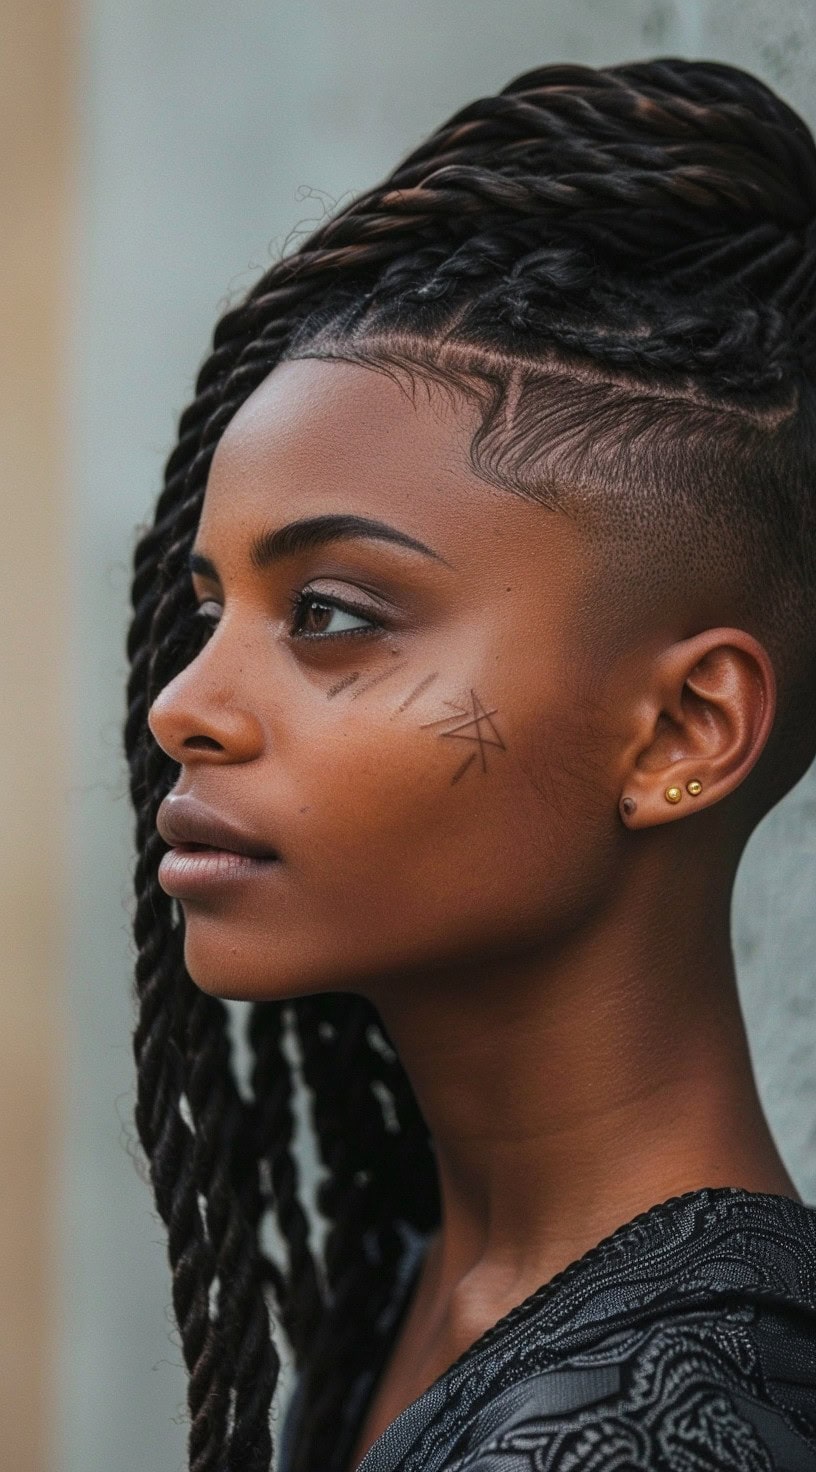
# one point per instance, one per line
(207, 134)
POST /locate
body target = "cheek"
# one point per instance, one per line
(570, 820)
(440, 831)
(459, 813)
(383, 777)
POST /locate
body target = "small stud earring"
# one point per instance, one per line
(673, 794)
(694, 787)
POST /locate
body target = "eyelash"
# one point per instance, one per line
(300, 600)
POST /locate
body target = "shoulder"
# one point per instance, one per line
(683, 1397)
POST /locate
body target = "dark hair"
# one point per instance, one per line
(639, 242)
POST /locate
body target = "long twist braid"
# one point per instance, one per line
(301, 1307)
(360, 1198)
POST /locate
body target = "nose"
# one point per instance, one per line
(200, 716)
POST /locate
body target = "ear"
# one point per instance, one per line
(705, 719)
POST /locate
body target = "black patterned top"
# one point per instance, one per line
(684, 1342)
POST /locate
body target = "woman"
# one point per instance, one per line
(473, 636)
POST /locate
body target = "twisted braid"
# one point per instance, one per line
(180, 1046)
(654, 221)
(571, 159)
(363, 1153)
(272, 1084)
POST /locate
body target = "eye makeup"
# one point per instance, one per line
(304, 601)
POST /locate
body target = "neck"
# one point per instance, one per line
(570, 1090)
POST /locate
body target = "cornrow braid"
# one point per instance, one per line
(641, 241)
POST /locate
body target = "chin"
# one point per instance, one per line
(222, 966)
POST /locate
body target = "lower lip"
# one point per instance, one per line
(186, 872)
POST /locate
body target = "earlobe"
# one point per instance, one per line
(703, 726)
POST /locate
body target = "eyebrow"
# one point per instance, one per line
(315, 531)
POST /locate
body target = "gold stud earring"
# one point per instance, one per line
(673, 794)
(694, 787)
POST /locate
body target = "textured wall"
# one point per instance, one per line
(775, 900)
(209, 134)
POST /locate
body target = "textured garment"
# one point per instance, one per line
(684, 1342)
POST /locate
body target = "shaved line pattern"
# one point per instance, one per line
(476, 725)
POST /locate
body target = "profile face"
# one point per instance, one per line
(409, 705)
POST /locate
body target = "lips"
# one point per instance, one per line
(186, 823)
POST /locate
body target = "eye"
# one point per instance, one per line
(317, 617)
(209, 610)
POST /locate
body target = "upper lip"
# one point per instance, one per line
(182, 820)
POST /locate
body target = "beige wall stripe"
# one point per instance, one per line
(36, 134)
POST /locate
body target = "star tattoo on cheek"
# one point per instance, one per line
(475, 725)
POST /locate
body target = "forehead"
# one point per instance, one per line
(324, 434)
(321, 437)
